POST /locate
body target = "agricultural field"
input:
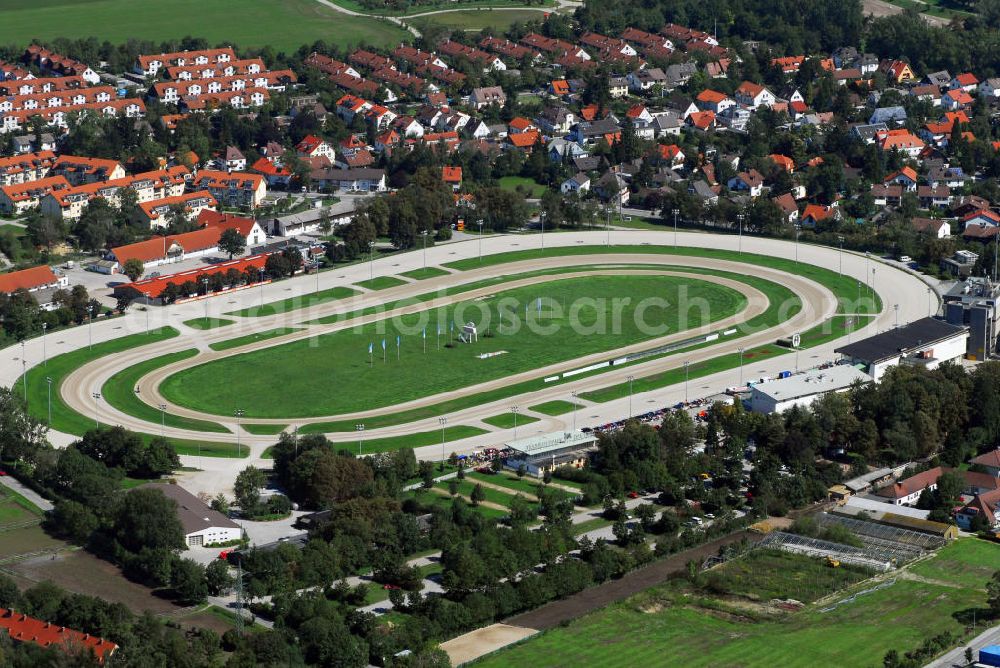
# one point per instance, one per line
(721, 622)
(284, 26)
(408, 374)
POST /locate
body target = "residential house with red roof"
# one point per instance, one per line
(754, 95)
(26, 167)
(526, 141)
(487, 61)
(788, 206)
(713, 100)
(157, 213)
(18, 198)
(966, 81)
(150, 65)
(956, 99)
(235, 189)
(982, 217)
(24, 629)
(452, 176)
(79, 170)
(817, 213)
(751, 182)
(312, 146)
(783, 161)
(69, 203)
(901, 140)
(248, 228)
(515, 51)
(989, 461)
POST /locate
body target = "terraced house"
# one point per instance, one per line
(236, 189)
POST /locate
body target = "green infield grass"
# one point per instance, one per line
(425, 273)
(553, 408)
(393, 376)
(283, 26)
(264, 429)
(386, 443)
(381, 283)
(253, 338)
(506, 420)
(294, 303)
(119, 391)
(208, 323)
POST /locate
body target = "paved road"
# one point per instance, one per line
(31, 495)
(956, 657)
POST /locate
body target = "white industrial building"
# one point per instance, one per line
(926, 343)
(802, 389)
(202, 525)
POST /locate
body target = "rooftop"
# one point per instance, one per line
(811, 382)
(919, 334)
(549, 443)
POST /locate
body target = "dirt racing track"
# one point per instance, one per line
(818, 303)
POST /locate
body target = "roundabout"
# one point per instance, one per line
(573, 323)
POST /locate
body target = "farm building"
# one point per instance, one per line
(201, 524)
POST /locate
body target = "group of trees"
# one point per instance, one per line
(22, 317)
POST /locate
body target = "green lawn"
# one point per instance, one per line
(506, 420)
(477, 20)
(285, 25)
(524, 485)
(355, 6)
(341, 356)
(253, 338)
(208, 323)
(381, 283)
(119, 391)
(294, 303)
(15, 509)
(969, 562)
(465, 488)
(425, 273)
(557, 407)
(533, 188)
(692, 631)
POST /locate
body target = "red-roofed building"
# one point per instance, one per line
(986, 217)
(754, 95)
(22, 628)
(990, 461)
(966, 81)
(233, 189)
(783, 161)
(272, 171)
(452, 176)
(983, 510)
(172, 248)
(713, 100)
(817, 213)
(247, 272)
(907, 492)
(248, 228)
(312, 146)
(788, 64)
(671, 154)
(36, 278)
(702, 120)
(901, 140)
(18, 198)
(524, 140)
(559, 87)
(520, 124)
(956, 99)
(906, 177)
(155, 213)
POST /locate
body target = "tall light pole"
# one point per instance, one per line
(741, 365)
(48, 381)
(238, 413)
(576, 408)
(442, 421)
(513, 410)
(686, 365)
(423, 233)
(675, 212)
(360, 428)
(97, 398)
(895, 307)
(480, 223)
(261, 273)
(541, 221)
(24, 373)
(371, 260)
(798, 229)
(739, 219)
(45, 356)
(163, 420)
(146, 295)
(204, 282)
(930, 307)
(630, 379)
(90, 327)
(608, 226)
(840, 268)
